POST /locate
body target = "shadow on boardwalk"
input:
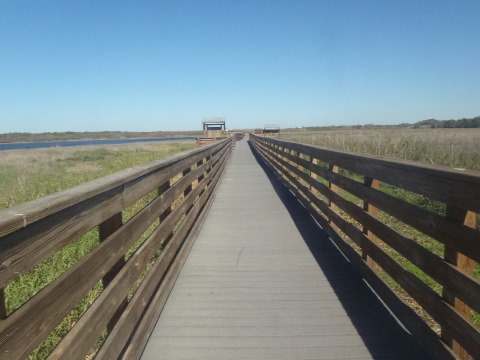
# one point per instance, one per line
(384, 337)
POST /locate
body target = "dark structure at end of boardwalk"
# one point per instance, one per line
(215, 130)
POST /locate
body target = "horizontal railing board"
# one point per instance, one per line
(83, 336)
(58, 298)
(114, 345)
(461, 188)
(22, 215)
(145, 328)
(463, 286)
(300, 175)
(26, 247)
(458, 236)
(138, 188)
(416, 325)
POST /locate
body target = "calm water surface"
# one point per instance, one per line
(46, 144)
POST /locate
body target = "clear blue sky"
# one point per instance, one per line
(164, 65)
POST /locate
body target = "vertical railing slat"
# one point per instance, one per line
(334, 188)
(3, 307)
(464, 264)
(373, 211)
(106, 229)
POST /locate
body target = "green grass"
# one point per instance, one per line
(26, 175)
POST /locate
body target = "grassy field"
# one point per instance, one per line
(455, 148)
(29, 174)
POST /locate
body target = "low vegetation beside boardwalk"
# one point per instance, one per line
(29, 174)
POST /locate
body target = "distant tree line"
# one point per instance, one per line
(430, 123)
(460, 123)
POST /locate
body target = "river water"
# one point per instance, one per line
(46, 144)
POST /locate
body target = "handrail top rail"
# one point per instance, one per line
(42, 207)
(449, 185)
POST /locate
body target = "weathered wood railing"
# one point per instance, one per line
(135, 277)
(341, 190)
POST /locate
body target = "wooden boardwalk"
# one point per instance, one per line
(262, 281)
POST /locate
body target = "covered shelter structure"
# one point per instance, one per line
(271, 130)
(214, 129)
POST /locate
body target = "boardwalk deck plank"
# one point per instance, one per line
(264, 282)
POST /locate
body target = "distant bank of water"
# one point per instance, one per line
(46, 144)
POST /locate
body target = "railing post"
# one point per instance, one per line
(292, 153)
(313, 175)
(464, 264)
(300, 167)
(189, 187)
(373, 211)
(202, 176)
(3, 307)
(105, 229)
(209, 167)
(334, 188)
(161, 189)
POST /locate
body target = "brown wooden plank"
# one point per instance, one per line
(464, 286)
(464, 264)
(162, 189)
(83, 336)
(23, 215)
(3, 307)
(27, 247)
(406, 314)
(373, 211)
(61, 295)
(417, 327)
(429, 300)
(466, 333)
(461, 188)
(20, 251)
(464, 239)
(333, 188)
(106, 229)
(138, 188)
(116, 342)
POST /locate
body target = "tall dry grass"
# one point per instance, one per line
(458, 148)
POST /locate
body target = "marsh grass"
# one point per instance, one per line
(29, 174)
(458, 148)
